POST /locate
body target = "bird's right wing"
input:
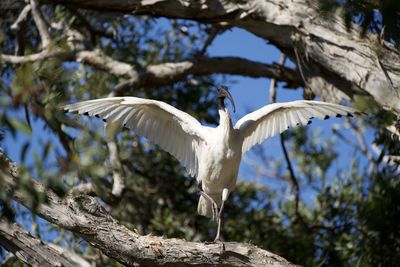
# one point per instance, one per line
(275, 118)
(173, 130)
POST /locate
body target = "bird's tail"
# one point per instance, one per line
(204, 207)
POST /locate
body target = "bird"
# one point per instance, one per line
(211, 154)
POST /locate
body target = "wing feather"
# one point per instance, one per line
(275, 118)
(173, 130)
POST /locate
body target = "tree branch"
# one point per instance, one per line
(40, 24)
(32, 250)
(22, 18)
(84, 216)
(118, 177)
(167, 73)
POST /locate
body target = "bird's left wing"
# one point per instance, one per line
(173, 130)
(275, 118)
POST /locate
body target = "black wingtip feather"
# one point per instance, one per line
(326, 117)
(338, 115)
(309, 122)
(105, 120)
(65, 110)
(97, 115)
(86, 113)
(349, 115)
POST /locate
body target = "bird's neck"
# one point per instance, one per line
(224, 119)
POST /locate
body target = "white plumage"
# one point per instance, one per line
(211, 154)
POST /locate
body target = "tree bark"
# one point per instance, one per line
(32, 250)
(84, 216)
(335, 62)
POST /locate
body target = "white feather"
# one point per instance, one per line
(175, 131)
(280, 116)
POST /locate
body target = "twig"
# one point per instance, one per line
(293, 178)
(40, 24)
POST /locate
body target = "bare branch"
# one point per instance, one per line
(84, 216)
(106, 63)
(272, 85)
(23, 16)
(43, 55)
(40, 24)
(167, 73)
(118, 179)
(29, 249)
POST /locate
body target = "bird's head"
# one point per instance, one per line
(222, 93)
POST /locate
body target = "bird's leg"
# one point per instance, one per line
(219, 218)
(213, 203)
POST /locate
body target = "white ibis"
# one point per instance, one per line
(211, 154)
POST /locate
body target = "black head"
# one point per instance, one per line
(222, 93)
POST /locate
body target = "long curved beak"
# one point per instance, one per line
(229, 96)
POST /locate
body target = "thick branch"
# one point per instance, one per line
(29, 249)
(84, 216)
(340, 59)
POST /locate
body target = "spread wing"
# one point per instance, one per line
(173, 130)
(272, 119)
